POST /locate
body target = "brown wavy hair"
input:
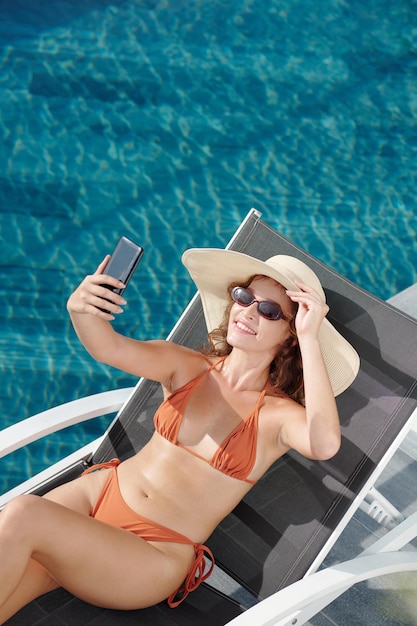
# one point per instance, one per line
(286, 370)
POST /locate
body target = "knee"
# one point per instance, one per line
(19, 513)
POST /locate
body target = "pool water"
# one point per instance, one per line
(167, 121)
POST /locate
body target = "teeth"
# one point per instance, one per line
(245, 328)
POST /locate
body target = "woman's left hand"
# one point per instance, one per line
(311, 309)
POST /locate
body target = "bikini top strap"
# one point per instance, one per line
(214, 365)
(261, 397)
(209, 369)
(262, 392)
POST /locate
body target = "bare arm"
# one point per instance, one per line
(315, 431)
(90, 323)
(157, 360)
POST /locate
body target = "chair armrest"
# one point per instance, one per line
(299, 602)
(303, 599)
(59, 417)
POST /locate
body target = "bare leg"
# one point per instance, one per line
(35, 582)
(99, 563)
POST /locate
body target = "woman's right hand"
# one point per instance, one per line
(93, 298)
(164, 361)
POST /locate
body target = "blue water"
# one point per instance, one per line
(167, 121)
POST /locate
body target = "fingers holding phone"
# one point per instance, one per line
(100, 293)
(97, 295)
(120, 267)
(105, 292)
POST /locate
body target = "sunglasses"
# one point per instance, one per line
(267, 309)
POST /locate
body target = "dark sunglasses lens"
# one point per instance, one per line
(242, 296)
(270, 310)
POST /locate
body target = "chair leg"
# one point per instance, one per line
(381, 509)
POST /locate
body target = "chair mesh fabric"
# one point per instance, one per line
(294, 512)
(288, 518)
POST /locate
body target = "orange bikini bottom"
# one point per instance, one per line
(112, 509)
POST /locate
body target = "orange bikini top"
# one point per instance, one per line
(236, 455)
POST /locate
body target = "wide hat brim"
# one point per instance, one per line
(213, 270)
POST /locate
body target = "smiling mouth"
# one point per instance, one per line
(244, 328)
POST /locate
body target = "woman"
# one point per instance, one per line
(266, 384)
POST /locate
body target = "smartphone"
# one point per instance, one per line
(123, 262)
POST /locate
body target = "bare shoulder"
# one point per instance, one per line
(276, 400)
(186, 365)
(156, 359)
(279, 409)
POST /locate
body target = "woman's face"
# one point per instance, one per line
(247, 329)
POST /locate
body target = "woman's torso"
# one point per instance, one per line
(171, 485)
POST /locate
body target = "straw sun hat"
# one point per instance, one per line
(214, 269)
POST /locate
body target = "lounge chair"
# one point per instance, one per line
(284, 528)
